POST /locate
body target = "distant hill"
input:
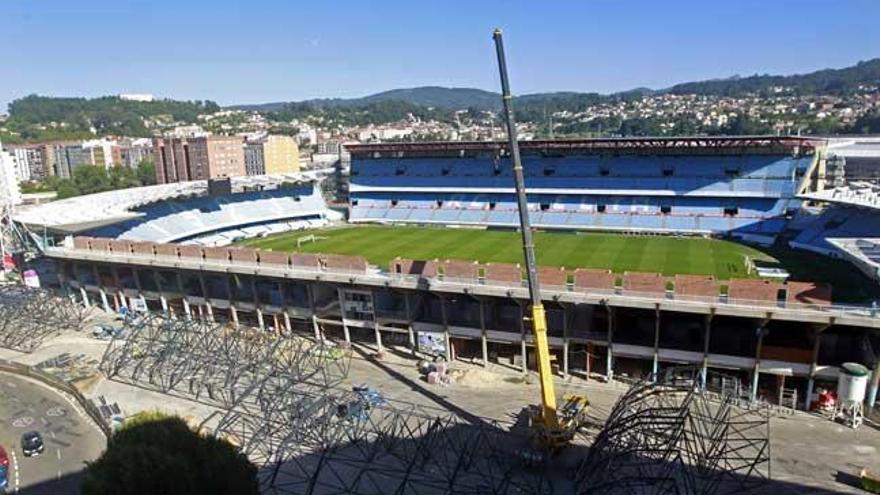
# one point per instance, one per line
(828, 81)
(36, 118)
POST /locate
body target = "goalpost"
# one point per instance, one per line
(307, 239)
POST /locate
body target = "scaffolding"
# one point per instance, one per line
(217, 364)
(672, 437)
(29, 316)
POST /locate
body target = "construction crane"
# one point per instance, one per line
(552, 428)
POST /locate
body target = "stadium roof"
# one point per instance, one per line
(91, 211)
(690, 144)
(860, 194)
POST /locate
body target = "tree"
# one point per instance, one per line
(157, 454)
(146, 172)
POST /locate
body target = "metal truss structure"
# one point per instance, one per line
(28, 316)
(217, 364)
(343, 444)
(670, 437)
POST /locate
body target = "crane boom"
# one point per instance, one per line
(539, 320)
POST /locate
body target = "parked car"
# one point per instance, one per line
(32, 443)
(4, 471)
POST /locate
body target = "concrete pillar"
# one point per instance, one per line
(378, 337)
(276, 324)
(345, 331)
(413, 347)
(814, 364)
(565, 342)
(233, 313)
(116, 305)
(260, 321)
(315, 327)
(187, 310)
(164, 303)
(286, 319)
(609, 358)
(704, 371)
(210, 312)
(484, 343)
(871, 402)
(104, 302)
(522, 340)
(655, 365)
(122, 300)
(85, 297)
(756, 371)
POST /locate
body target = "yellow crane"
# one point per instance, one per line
(552, 428)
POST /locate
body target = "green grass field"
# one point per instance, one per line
(665, 254)
(668, 255)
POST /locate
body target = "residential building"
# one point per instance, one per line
(28, 162)
(9, 188)
(102, 152)
(207, 157)
(70, 156)
(142, 97)
(280, 155)
(254, 163)
(134, 151)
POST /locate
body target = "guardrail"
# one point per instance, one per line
(59, 384)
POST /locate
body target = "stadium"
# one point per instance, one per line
(732, 257)
(651, 252)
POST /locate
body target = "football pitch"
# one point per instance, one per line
(665, 254)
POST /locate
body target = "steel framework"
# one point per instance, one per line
(342, 444)
(28, 316)
(217, 364)
(670, 437)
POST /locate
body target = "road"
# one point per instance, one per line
(70, 438)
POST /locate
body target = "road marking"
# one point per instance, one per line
(58, 453)
(15, 468)
(52, 433)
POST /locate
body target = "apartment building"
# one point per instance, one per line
(273, 154)
(198, 158)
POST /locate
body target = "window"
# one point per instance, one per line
(393, 202)
(600, 208)
(665, 209)
(400, 171)
(354, 202)
(548, 171)
(668, 172)
(731, 211)
(545, 206)
(604, 172)
(444, 171)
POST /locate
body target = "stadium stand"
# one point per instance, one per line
(740, 192)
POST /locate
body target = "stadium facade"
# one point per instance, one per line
(781, 338)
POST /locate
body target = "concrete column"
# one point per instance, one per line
(871, 402)
(449, 351)
(116, 305)
(413, 347)
(342, 312)
(286, 319)
(522, 340)
(164, 303)
(122, 300)
(378, 337)
(315, 327)
(484, 344)
(655, 365)
(260, 321)
(704, 371)
(233, 313)
(276, 324)
(756, 371)
(85, 297)
(814, 364)
(104, 302)
(609, 358)
(210, 312)
(565, 341)
(187, 310)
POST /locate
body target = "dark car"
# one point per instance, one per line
(4, 471)
(32, 444)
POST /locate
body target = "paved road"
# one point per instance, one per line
(69, 437)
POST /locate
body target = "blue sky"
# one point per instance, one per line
(255, 51)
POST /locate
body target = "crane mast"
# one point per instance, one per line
(549, 416)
